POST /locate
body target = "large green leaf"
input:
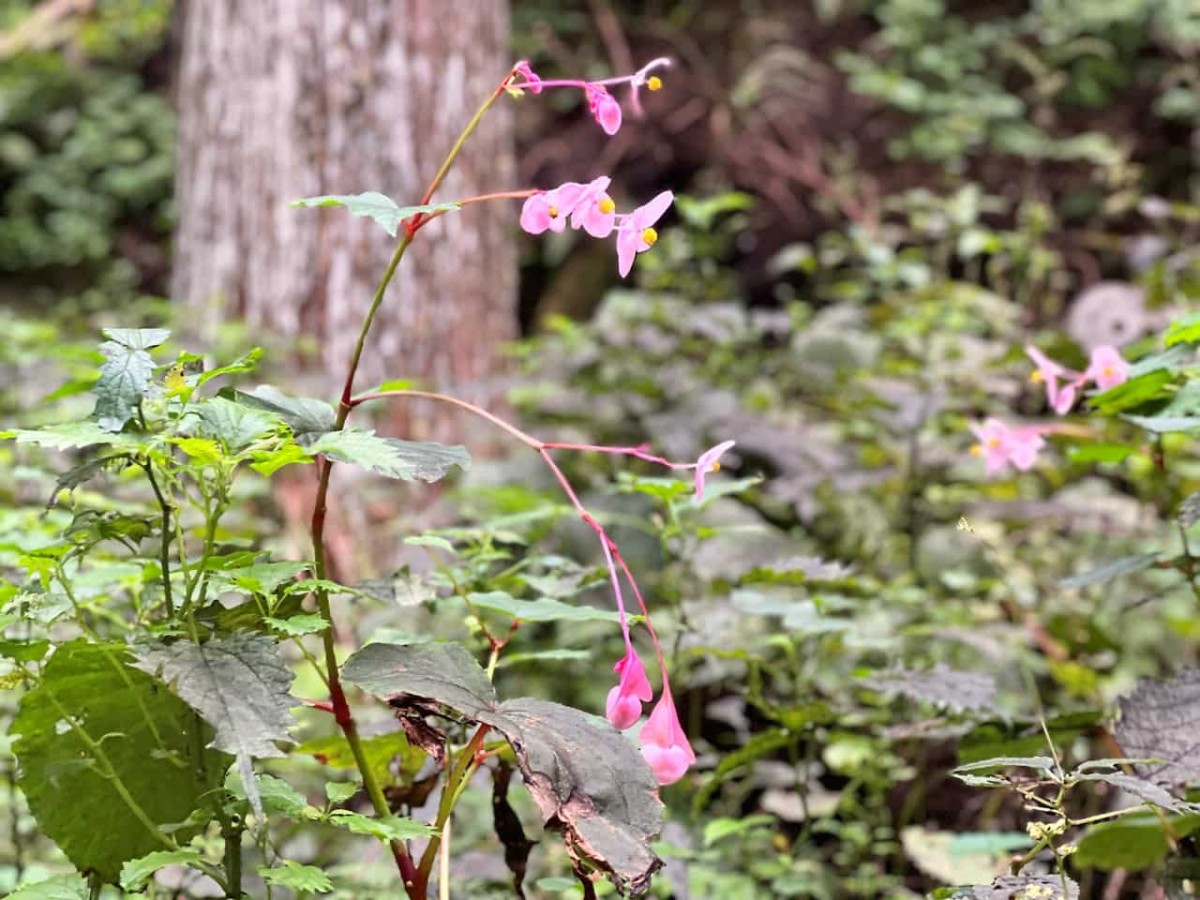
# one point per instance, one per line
(380, 207)
(233, 424)
(239, 684)
(588, 780)
(62, 887)
(108, 758)
(69, 436)
(391, 457)
(125, 374)
(543, 609)
(304, 415)
(1134, 842)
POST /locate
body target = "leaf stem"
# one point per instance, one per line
(464, 767)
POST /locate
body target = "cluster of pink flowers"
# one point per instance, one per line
(588, 206)
(1002, 445)
(664, 744)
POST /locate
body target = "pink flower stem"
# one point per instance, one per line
(658, 651)
(527, 440)
(566, 82)
(638, 452)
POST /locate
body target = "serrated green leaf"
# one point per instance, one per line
(93, 719)
(125, 375)
(543, 609)
(61, 887)
(268, 462)
(304, 415)
(262, 577)
(239, 684)
(393, 828)
(377, 206)
(1126, 565)
(392, 457)
(379, 752)
(297, 877)
(340, 791)
(200, 450)
(235, 425)
(24, 651)
(276, 795)
(246, 363)
(70, 436)
(137, 872)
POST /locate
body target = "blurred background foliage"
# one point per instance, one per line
(883, 200)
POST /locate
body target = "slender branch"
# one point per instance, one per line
(164, 552)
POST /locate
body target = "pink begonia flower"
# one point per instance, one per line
(604, 108)
(1107, 367)
(1001, 445)
(636, 233)
(708, 462)
(624, 706)
(548, 210)
(664, 745)
(1061, 399)
(595, 211)
(532, 83)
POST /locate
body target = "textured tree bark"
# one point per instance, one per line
(281, 99)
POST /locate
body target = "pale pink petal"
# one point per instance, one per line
(535, 215)
(533, 82)
(627, 250)
(651, 212)
(624, 706)
(1107, 367)
(706, 464)
(605, 108)
(664, 745)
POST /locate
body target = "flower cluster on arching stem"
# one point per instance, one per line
(589, 207)
(1002, 445)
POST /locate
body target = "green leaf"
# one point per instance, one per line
(262, 577)
(61, 887)
(1131, 843)
(304, 415)
(125, 374)
(295, 626)
(69, 436)
(391, 457)
(1184, 330)
(584, 775)
(24, 651)
(233, 424)
(1126, 565)
(377, 206)
(94, 721)
(268, 462)
(1151, 793)
(296, 877)
(340, 791)
(137, 872)
(1099, 453)
(543, 609)
(719, 829)
(246, 363)
(276, 795)
(393, 828)
(379, 751)
(1133, 393)
(238, 684)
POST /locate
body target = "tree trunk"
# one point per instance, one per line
(282, 99)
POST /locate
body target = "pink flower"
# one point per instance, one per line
(1001, 445)
(604, 107)
(636, 232)
(548, 210)
(1060, 399)
(595, 211)
(708, 463)
(1107, 367)
(642, 77)
(664, 745)
(532, 82)
(624, 705)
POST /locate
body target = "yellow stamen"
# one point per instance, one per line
(1037, 377)
(977, 449)
(1109, 371)
(650, 236)
(606, 205)
(653, 83)
(553, 212)
(993, 443)
(715, 467)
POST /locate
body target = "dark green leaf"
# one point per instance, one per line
(296, 877)
(94, 719)
(380, 207)
(136, 872)
(393, 828)
(24, 651)
(304, 415)
(83, 472)
(238, 684)
(125, 374)
(588, 780)
(1132, 843)
(391, 457)
(295, 626)
(1161, 720)
(1126, 565)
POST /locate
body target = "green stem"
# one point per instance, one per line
(462, 140)
(164, 552)
(460, 775)
(233, 859)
